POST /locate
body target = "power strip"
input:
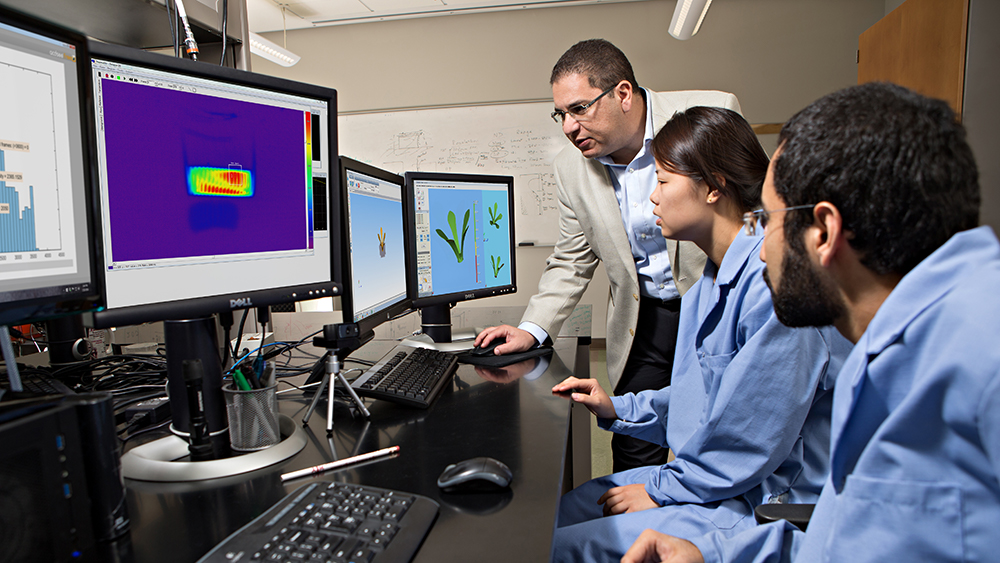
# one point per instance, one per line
(251, 341)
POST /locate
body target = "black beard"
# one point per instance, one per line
(804, 298)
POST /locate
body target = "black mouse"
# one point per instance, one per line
(476, 474)
(488, 349)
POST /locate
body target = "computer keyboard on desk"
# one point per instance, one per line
(336, 523)
(406, 375)
(39, 384)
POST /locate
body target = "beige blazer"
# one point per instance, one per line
(591, 230)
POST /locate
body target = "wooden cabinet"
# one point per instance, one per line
(920, 45)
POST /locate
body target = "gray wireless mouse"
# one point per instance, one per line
(476, 474)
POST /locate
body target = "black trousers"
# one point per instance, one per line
(648, 367)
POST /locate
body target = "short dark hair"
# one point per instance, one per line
(602, 63)
(706, 143)
(895, 164)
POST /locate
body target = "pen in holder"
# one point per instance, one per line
(253, 418)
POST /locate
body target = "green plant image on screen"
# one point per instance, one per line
(457, 247)
(497, 265)
(494, 216)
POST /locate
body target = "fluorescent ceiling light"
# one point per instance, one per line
(688, 15)
(272, 51)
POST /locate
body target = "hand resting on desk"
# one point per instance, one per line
(589, 393)
(517, 340)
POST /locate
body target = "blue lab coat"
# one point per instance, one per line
(747, 416)
(915, 454)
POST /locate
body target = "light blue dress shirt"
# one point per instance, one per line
(634, 183)
(915, 450)
(747, 416)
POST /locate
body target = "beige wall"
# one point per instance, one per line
(775, 55)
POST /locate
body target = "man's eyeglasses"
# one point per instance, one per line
(751, 218)
(578, 111)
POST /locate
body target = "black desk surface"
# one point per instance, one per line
(518, 422)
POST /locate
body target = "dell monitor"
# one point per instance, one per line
(461, 229)
(214, 188)
(375, 264)
(47, 262)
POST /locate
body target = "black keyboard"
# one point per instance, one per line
(335, 523)
(409, 376)
(39, 384)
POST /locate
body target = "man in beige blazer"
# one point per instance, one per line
(604, 182)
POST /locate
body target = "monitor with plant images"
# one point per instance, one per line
(461, 229)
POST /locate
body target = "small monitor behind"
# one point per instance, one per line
(47, 261)
(375, 263)
(461, 230)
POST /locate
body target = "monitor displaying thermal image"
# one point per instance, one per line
(375, 276)
(46, 258)
(463, 236)
(213, 186)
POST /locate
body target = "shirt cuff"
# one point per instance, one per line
(534, 330)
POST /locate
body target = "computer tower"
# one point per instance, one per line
(55, 503)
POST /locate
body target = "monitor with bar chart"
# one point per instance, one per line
(46, 259)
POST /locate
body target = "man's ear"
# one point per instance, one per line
(825, 237)
(623, 91)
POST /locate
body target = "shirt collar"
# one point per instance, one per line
(647, 138)
(931, 280)
(736, 258)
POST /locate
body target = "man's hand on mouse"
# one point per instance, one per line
(589, 393)
(517, 340)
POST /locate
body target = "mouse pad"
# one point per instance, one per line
(504, 360)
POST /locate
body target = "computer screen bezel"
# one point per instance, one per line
(386, 314)
(455, 297)
(19, 310)
(207, 305)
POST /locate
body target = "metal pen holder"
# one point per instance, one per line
(253, 418)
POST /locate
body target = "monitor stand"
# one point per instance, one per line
(192, 339)
(166, 459)
(435, 323)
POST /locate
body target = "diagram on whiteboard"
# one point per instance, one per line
(519, 140)
(539, 197)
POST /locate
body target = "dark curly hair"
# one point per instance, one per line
(895, 163)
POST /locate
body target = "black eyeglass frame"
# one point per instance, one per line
(577, 111)
(751, 218)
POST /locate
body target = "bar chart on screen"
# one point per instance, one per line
(33, 165)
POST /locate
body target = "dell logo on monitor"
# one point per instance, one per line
(470, 295)
(240, 303)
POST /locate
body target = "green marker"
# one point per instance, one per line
(241, 382)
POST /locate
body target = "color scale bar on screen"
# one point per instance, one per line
(309, 176)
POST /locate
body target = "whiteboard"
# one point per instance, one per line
(518, 139)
